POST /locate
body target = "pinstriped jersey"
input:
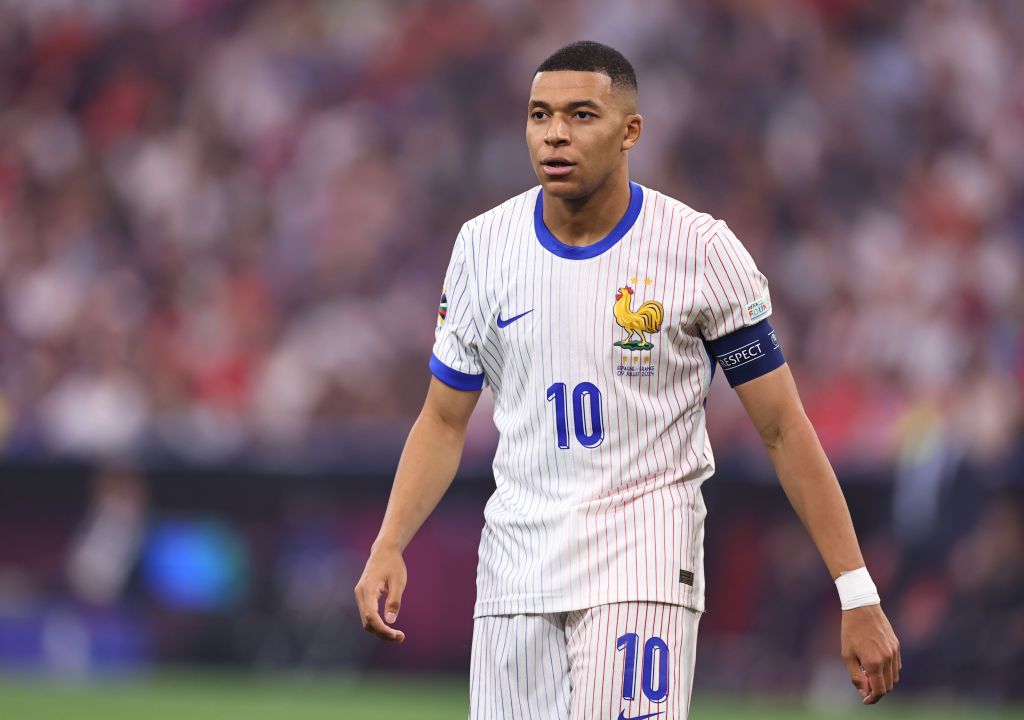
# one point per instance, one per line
(599, 364)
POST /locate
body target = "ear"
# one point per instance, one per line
(633, 130)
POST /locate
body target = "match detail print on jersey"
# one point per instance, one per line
(600, 359)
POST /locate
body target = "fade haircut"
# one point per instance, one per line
(590, 56)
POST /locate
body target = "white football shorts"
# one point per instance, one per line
(624, 661)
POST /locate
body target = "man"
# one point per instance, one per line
(595, 308)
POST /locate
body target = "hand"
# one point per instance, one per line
(384, 574)
(871, 652)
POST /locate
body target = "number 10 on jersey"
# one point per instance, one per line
(586, 414)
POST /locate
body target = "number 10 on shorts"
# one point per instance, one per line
(654, 675)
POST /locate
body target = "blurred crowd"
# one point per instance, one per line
(223, 229)
(224, 223)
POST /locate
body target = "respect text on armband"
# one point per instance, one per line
(742, 355)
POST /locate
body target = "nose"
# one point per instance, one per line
(557, 133)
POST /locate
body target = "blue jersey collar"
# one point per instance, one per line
(582, 252)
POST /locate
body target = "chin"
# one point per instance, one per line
(563, 189)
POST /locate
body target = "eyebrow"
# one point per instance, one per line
(570, 105)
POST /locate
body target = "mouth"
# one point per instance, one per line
(556, 167)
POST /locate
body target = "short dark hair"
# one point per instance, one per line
(590, 56)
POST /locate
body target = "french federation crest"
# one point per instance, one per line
(645, 319)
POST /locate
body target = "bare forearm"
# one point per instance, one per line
(425, 472)
(812, 488)
(870, 648)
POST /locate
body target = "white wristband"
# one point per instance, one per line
(856, 589)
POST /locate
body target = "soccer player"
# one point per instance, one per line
(596, 310)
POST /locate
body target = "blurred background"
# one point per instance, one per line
(223, 230)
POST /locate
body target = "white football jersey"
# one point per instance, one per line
(597, 360)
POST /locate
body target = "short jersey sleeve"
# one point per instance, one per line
(735, 293)
(455, 360)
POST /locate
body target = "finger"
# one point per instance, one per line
(887, 673)
(877, 680)
(367, 602)
(857, 676)
(375, 625)
(394, 600)
(897, 665)
(372, 623)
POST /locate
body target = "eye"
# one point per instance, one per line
(537, 115)
(584, 114)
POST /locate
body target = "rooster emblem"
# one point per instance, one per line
(645, 319)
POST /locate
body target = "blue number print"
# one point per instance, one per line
(557, 393)
(583, 394)
(596, 434)
(628, 641)
(652, 646)
(655, 660)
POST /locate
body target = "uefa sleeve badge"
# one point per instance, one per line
(442, 309)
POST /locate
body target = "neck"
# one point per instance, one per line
(586, 220)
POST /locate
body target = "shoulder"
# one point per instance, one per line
(489, 226)
(690, 226)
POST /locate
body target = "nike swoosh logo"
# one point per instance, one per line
(622, 715)
(506, 323)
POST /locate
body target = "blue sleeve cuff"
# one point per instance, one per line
(454, 378)
(747, 353)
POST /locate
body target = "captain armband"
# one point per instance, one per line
(747, 353)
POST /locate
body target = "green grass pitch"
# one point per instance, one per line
(199, 696)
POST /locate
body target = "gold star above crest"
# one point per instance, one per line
(647, 281)
(633, 280)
